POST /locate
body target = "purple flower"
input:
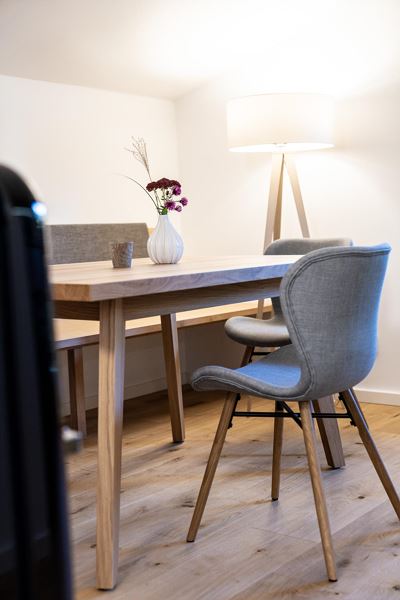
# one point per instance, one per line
(184, 201)
(170, 205)
(176, 190)
(163, 183)
(178, 208)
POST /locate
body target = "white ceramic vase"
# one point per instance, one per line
(165, 245)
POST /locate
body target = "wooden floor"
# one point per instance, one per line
(247, 548)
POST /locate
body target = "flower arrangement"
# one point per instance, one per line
(164, 192)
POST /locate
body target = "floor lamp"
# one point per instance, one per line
(280, 124)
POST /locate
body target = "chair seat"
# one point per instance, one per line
(276, 376)
(256, 332)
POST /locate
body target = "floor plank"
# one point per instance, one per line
(247, 548)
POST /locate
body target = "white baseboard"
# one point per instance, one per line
(378, 397)
(157, 385)
(133, 390)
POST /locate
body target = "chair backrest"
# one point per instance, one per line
(301, 246)
(330, 301)
(87, 243)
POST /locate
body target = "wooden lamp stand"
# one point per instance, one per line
(274, 214)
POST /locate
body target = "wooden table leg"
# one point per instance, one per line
(173, 373)
(111, 395)
(329, 432)
(77, 390)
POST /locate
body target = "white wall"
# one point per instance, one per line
(352, 190)
(70, 140)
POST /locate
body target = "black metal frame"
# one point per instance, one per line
(285, 411)
(291, 414)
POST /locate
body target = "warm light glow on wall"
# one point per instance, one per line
(280, 123)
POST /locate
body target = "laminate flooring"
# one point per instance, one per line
(248, 548)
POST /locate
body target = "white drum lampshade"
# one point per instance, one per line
(280, 123)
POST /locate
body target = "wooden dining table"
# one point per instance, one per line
(97, 291)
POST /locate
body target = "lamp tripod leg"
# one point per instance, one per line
(272, 227)
(274, 214)
(294, 182)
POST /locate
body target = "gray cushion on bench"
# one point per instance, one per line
(87, 243)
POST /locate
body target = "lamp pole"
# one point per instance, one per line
(274, 211)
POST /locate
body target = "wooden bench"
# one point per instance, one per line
(85, 243)
(73, 336)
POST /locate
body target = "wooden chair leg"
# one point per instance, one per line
(277, 453)
(357, 403)
(359, 419)
(249, 403)
(77, 390)
(212, 464)
(329, 432)
(319, 496)
(247, 354)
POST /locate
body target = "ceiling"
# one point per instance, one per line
(166, 48)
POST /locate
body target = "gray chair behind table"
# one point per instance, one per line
(333, 348)
(273, 333)
(88, 243)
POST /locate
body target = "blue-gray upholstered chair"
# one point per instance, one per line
(273, 333)
(333, 347)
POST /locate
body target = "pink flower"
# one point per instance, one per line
(184, 201)
(178, 208)
(170, 205)
(176, 190)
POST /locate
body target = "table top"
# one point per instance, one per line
(95, 281)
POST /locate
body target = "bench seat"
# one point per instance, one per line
(74, 335)
(71, 334)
